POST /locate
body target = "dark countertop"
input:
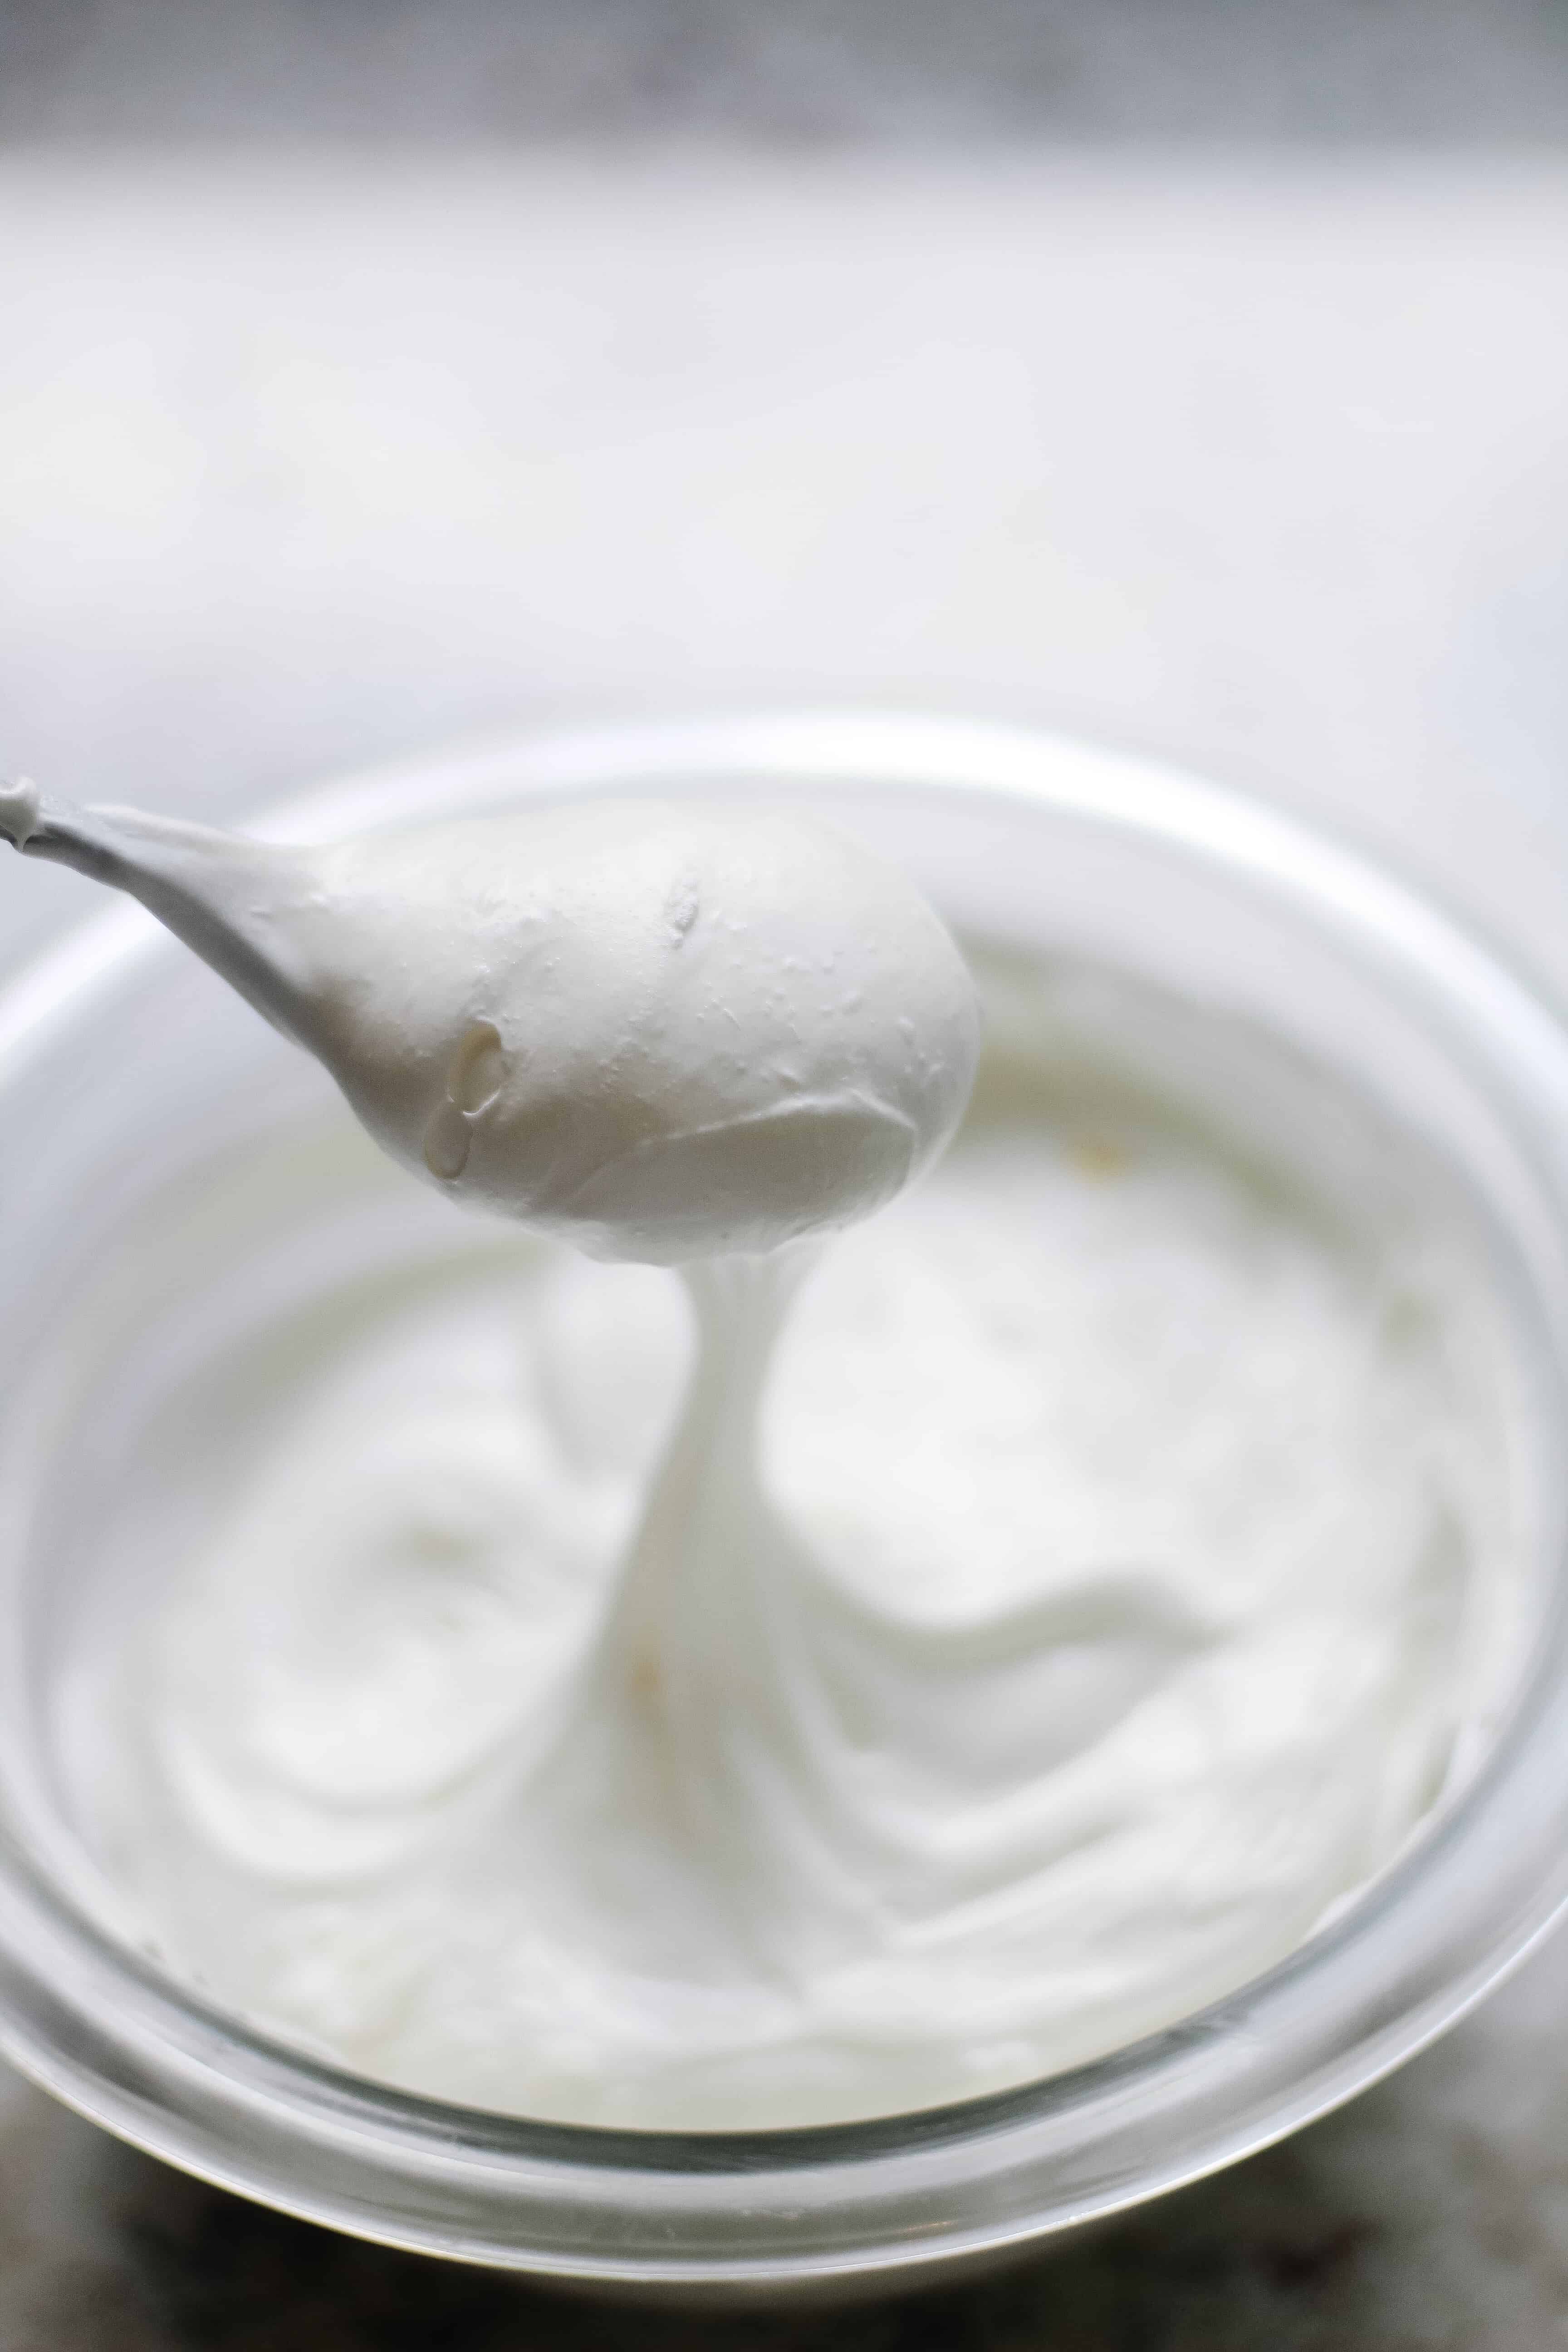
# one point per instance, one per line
(1432, 2213)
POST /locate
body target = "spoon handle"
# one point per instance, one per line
(46, 827)
(218, 891)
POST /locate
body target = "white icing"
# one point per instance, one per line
(661, 1030)
(1096, 1592)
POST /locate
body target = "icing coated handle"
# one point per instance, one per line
(57, 830)
(216, 891)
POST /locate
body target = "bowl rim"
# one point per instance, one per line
(105, 2030)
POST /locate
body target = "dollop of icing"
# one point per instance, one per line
(662, 1029)
(659, 1030)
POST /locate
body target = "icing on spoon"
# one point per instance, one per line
(659, 1030)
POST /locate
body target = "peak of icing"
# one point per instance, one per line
(18, 810)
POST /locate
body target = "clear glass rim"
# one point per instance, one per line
(153, 2062)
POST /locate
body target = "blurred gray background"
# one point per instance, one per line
(1188, 371)
(1191, 373)
(906, 74)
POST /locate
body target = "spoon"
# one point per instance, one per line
(661, 1030)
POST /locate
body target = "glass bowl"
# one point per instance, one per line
(128, 1074)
